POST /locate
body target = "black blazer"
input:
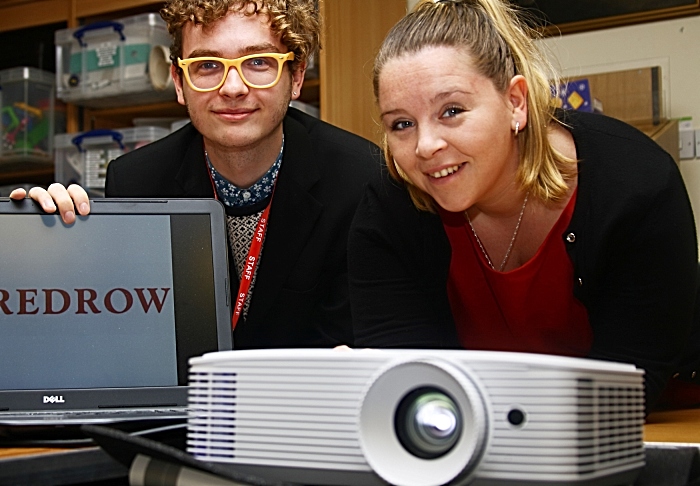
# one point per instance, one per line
(301, 291)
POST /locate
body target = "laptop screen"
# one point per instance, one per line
(120, 300)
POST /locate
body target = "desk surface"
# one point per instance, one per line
(45, 466)
(19, 452)
(58, 466)
(673, 426)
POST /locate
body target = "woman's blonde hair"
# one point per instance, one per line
(295, 21)
(501, 45)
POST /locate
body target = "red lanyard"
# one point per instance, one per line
(251, 261)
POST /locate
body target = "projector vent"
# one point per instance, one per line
(279, 414)
(212, 397)
(593, 426)
(612, 416)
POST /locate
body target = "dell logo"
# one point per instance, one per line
(54, 399)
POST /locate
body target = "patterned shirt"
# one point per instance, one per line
(240, 221)
(233, 196)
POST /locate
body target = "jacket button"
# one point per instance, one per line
(570, 238)
(580, 282)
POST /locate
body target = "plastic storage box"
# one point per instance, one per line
(106, 63)
(29, 115)
(82, 158)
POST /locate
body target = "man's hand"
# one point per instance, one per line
(66, 199)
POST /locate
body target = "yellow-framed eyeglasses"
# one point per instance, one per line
(256, 70)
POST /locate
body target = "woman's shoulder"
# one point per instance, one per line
(610, 134)
(612, 150)
(622, 173)
(389, 196)
(387, 205)
(387, 216)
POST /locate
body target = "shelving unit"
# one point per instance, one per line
(353, 31)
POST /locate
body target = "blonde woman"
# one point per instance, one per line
(505, 224)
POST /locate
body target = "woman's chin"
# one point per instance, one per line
(451, 206)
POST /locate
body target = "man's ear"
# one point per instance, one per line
(176, 74)
(298, 80)
(517, 97)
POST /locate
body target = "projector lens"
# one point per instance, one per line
(428, 423)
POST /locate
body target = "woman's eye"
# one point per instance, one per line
(452, 111)
(401, 125)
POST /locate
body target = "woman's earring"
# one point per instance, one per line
(517, 128)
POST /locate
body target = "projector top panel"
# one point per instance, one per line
(372, 355)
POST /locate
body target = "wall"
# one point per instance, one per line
(672, 44)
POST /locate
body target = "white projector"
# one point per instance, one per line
(417, 417)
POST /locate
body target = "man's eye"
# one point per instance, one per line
(205, 67)
(260, 63)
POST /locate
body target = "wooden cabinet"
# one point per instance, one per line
(353, 31)
(665, 133)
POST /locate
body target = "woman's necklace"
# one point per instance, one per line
(512, 240)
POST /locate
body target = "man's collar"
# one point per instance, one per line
(233, 196)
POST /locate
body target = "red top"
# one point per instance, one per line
(529, 309)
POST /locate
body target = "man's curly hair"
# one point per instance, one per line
(295, 21)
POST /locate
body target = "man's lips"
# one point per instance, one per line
(234, 113)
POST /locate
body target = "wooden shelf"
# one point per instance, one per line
(21, 14)
(121, 117)
(94, 8)
(26, 172)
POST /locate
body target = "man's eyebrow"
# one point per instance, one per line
(265, 47)
(254, 49)
(205, 53)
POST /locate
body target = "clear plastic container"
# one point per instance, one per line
(29, 115)
(82, 158)
(106, 63)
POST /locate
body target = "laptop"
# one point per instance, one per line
(98, 319)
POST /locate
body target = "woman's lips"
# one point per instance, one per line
(446, 171)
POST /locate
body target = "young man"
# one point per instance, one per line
(236, 66)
